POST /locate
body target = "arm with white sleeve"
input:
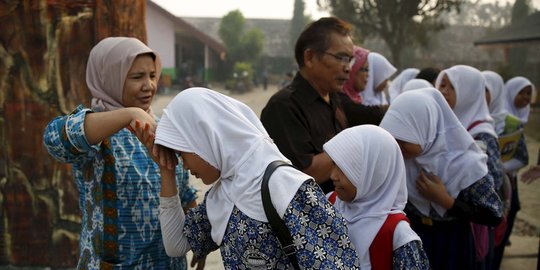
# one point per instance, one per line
(171, 216)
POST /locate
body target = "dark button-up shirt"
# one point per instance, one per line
(300, 121)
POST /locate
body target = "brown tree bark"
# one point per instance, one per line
(43, 53)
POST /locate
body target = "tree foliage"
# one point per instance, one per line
(231, 28)
(517, 56)
(298, 21)
(242, 45)
(486, 14)
(252, 43)
(397, 22)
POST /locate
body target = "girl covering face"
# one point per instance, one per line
(209, 128)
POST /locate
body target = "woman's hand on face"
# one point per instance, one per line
(166, 158)
(143, 119)
(433, 189)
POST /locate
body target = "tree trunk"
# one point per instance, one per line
(43, 53)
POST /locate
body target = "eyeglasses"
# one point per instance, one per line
(344, 59)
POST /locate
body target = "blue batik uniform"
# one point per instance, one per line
(119, 187)
(319, 233)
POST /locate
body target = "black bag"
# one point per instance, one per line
(278, 225)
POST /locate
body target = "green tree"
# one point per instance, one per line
(252, 45)
(487, 14)
(298, 21)
(244, 46)
(231, 29)
(395, 22)
(518, 56)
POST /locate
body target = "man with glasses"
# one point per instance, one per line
(304, 115)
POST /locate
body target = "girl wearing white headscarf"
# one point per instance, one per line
(368, 158)
(225, 137)
(495, 87)
(380, 70)
(415, 84)
(519, 91)
(117, 180)
(447, 178)
(471, 108)
(397, 84)
(517, 94)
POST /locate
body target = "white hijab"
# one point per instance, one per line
(415, 84)
(380, 69)
(398, 83)
(108, 64)
(512, 89)
(423, 117)
(370, 158)
(227, 134)
(471, 105)
(495, 86)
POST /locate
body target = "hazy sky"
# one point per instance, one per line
(273, 9)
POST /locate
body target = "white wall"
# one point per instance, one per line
(160, 31)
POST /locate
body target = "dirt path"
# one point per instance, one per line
(520, 255)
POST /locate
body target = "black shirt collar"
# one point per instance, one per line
(308, 94)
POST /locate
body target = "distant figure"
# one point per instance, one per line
(286, 80)
(265, 79)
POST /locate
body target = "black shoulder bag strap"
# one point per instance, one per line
(277, 224)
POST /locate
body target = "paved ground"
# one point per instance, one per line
(520, 255)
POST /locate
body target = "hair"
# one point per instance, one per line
(316, 36)
(429, 74)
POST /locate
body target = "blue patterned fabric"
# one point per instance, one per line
(410, 256)
(481, 196)
(319, 233)
(448, 240)
(495, 167)
(522, 154)
(138, 182)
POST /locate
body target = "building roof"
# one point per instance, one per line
(276, 33)
(185, 27)
(523, 31)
